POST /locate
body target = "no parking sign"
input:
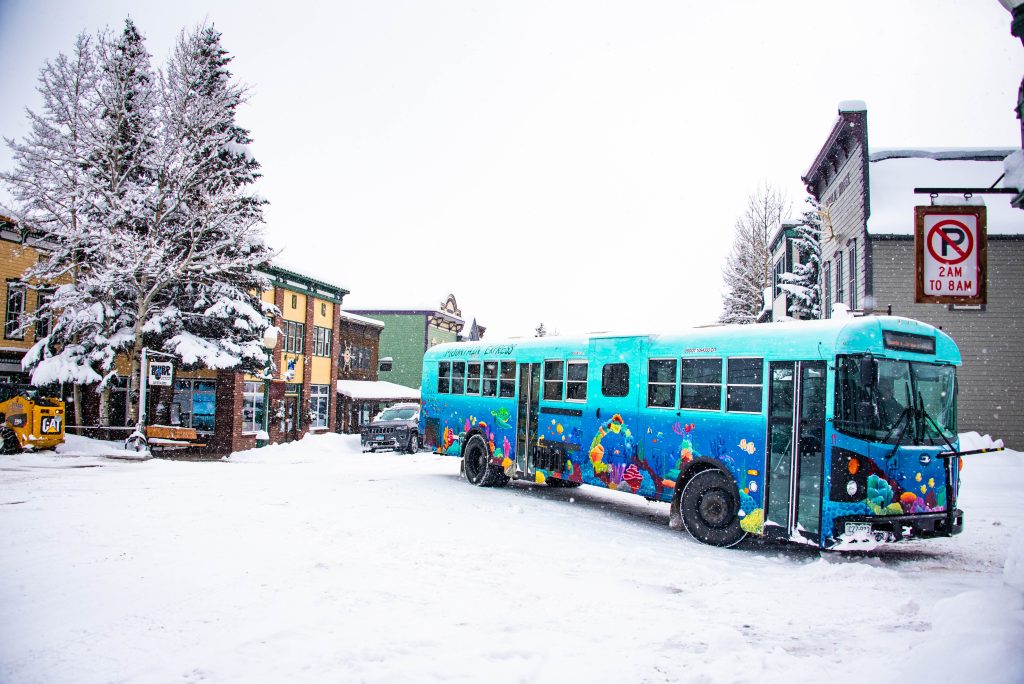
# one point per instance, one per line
(950, 251)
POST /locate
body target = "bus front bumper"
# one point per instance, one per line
(853, 529)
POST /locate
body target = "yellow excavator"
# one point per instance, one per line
(29, 420)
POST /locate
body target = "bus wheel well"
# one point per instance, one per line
(699, 465)
(476, 461)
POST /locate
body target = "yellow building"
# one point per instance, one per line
(18, 251)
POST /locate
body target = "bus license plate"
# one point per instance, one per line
(858, 528)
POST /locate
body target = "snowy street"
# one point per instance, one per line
(315, 562)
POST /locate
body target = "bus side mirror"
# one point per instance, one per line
(868, 372)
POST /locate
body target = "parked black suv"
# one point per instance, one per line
(396, 427)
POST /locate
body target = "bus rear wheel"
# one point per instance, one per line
(709, 505)
(476, 460)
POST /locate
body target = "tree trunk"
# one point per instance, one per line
(104, 417)
(76, 397)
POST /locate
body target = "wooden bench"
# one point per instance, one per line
(172, 437)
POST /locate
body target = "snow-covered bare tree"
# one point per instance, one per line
(747, 271)
(49, 183)
(170, 236)
(804, 283)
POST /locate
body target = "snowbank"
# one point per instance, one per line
(308, 449)
(970, 441)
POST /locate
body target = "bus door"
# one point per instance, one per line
(796, 438)
(526, 423)
(611, 420)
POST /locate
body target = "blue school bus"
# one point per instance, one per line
(840, 434)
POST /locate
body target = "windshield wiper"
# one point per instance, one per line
(924, 414)
(906, 415)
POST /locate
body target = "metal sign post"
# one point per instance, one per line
(162, 374)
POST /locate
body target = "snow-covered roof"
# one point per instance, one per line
(361, 319)
(292, 262)
(413, 306)
(366, 390)
(894, 174)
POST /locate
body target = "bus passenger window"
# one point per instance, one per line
(661, 383)
(458, 377)
(743, 392)
(576, 381)
(508, 379)
(490, 386)
(701, 384)
(473, 378)
(443, 377)
(615, 380)
(553, 380)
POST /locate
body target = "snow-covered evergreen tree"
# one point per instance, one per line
(804, 283)
(210, 312)
(747, 271)
(540, 331)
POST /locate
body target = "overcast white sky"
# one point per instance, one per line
(577, 163)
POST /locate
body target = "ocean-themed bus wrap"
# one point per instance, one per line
(840, 434)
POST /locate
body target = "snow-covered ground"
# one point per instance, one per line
(315, 562)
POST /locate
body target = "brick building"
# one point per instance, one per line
(360, 394)
(867, 199)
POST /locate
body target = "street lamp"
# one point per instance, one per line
(269, 343)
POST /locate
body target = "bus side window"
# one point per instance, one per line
(443, 377)
(615, 380)
(458, 377)
(508, 379)
(576, 381)
(745, 382)
(661, 383)
(490, 386)
(701, 384)
(553, 375)
(473, 378)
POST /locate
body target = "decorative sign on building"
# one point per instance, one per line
(950, 254)
(161, 373)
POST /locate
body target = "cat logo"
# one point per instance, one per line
(50, 425)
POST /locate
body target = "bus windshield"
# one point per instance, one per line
(896, 401)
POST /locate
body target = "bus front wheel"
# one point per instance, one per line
(709, 504)
(476, 460)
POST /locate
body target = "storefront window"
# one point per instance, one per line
(319, 405)
(252, 406)
(194, 403)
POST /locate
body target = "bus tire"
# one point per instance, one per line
(709, 505)
(476, 461)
